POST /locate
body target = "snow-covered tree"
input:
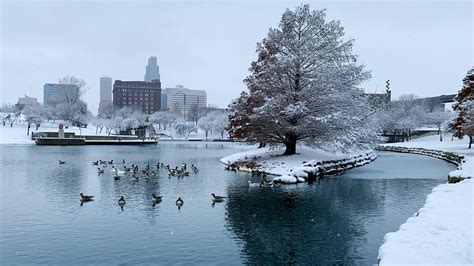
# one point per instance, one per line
(99, 124)
(403, 115)
(303, 87)
(108, 111)
(438, 117)
(70, 99)
(206, 123)
(221, 120)
(6, 112)
(184, 128)
(81, 119)
(52, 112)
(195, 113)
(463, 124)
(33, 114)
(164, 119)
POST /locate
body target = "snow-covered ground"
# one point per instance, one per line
(17, 133)
(290, 169)
(442, 231)
(171, 134)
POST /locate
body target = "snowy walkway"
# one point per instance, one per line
(442, 231)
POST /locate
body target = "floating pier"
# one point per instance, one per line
(71, 139)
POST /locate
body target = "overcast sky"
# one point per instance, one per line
(423, 48)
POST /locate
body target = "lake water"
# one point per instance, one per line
(340, 219)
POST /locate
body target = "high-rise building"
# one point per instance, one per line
(105, 88)
(52, 92)
(180, 99)
(152, 71)
(141, 95)
(105, 93)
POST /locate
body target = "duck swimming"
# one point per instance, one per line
(121, 201)
(179, 202)
(217, 198)
(61, 162)
(156, 198)
(86, 198)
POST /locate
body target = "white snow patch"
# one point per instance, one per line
(286, 179)
(442, 233)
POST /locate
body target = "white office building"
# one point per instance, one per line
(180, 99)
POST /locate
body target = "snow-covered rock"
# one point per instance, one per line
(285, 179)
(309, 163)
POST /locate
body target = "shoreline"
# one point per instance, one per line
(306, 166)
(440, 232)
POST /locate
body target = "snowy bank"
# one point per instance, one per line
(17, 133)
(441, 232)
(454, 151)
(307, 164)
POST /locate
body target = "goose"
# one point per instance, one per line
(61, 162)
(116, 177)
(86, 198)
(179, 202)
(217, 198)
(265, 183)
(123, 161)
(111, 162)
(253, 184)
(95, 163)
(155, 198)
(121, 201)
(100, 171)
(117, 171)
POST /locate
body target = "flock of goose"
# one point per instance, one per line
(147, 172)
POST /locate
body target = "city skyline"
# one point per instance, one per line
(203, 54)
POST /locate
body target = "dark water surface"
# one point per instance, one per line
(336, 220)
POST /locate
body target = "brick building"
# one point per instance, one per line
(142, 95)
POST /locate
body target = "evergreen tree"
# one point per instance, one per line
(463, 124)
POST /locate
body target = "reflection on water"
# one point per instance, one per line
(336, 220)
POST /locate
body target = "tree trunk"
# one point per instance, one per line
(290, 144)
(470, 142)
(28, 130)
